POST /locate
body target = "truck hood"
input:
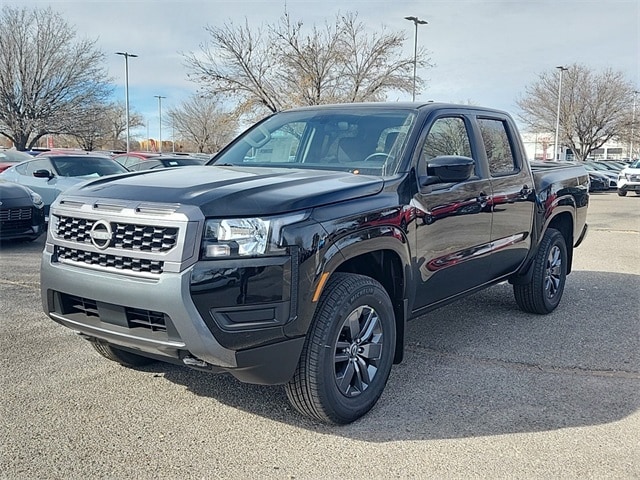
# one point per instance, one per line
(224, 191)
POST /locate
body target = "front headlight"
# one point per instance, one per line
(244, 237)
(231, 237)
(37, 200)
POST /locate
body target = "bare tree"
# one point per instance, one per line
(372, 64)
(116, 124)
(46, 77)
(594, 107)
(279, 66)
(94, 127)
(200, 121)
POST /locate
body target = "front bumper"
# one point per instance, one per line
(158, 317)
(18, 221)
(629, 182)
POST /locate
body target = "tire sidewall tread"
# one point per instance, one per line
(312, 390)
(531, 297)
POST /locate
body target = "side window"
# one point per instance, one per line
(447, 136)
(275, 147)
(128, 161)
(42, 164)
(498, 147)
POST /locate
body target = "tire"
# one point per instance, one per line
(123, 357)
(348, 353)
(543, 294)
(622, 193)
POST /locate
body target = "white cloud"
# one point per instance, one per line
(484, 51)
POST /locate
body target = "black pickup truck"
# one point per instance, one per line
(299, 252)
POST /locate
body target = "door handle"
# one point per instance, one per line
(526, 191)
(482, 199)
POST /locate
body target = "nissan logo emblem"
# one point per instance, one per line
(101, 234)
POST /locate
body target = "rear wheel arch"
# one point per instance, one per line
(564, 223)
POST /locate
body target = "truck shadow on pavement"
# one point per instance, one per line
(481, 367)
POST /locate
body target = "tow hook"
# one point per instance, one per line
(194, 362)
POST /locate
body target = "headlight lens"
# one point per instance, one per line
(37, 200)
(231, 237)
(245, 237)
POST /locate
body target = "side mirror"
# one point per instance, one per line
(448, 169)
(43, 174)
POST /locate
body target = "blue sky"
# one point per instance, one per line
(485, 52)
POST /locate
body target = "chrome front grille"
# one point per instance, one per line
(105, 260)
(127, 236)
(15, 214)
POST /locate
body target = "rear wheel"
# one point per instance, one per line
(622, 193)
(543, 293)
(123, 357)
(348, 353)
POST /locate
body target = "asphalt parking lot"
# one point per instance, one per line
(485, 391)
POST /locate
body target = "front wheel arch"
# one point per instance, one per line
(384, 253)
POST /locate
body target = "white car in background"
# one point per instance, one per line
(629, 179)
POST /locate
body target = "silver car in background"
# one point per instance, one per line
(48, 175)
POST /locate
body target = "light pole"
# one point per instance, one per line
(126, 56)
(159, 97)
(633, 123)
(555, 145)
(416, 21)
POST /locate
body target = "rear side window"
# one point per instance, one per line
(498, 147)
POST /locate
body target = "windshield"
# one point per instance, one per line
(86, 166)
(370, 141)
(635, 164)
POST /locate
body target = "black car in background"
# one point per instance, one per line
(21, 212)
(598, 182)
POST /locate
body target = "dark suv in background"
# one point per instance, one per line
(149, 160)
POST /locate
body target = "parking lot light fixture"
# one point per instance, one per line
(555, 145)
(126, 56)
(633, 123)
(160, 97)
(416, 21)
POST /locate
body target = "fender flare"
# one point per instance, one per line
(363, 242)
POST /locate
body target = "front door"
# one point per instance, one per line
(454, 220)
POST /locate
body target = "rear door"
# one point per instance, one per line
(512, 201)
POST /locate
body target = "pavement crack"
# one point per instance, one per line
(527, 366)
(20, 284)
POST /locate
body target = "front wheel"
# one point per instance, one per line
(543, 293)
(348, 353)
(622, 193)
